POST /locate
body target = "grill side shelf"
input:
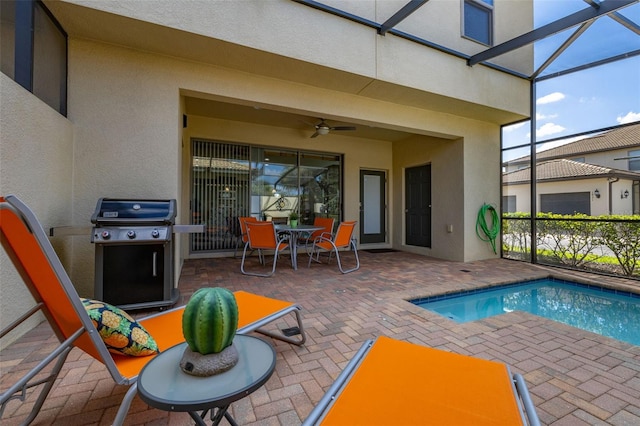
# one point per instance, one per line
(69, 231)
(188, 229)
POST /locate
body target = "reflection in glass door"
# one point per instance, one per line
(320, 186)
(274, 183)
(284, 181)
(231, 180)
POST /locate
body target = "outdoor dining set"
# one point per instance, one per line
(316, 239)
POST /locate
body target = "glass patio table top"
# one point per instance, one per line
(162, 383)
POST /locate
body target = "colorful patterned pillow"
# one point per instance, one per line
(119, 331)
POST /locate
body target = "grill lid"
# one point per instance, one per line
(114, 211)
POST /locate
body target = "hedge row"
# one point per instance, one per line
(576, 240)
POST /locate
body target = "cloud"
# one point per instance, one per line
(586, 100)
(549, 129)
(550, 98)
(541, 116)
(629, 118)
(513, 127)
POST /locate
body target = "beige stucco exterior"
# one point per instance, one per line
(610, 187)
(611, 199)
(36, 163)
(133, 64)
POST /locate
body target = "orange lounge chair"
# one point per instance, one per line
(28, 247)
(393, 382)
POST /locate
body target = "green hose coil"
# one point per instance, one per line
(488, 234)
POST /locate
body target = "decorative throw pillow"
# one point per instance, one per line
(120, 332)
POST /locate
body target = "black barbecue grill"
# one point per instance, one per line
(135, 252)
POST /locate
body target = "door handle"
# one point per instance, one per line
(155, 263)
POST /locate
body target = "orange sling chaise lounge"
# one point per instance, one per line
(29, 249)
(391, 382)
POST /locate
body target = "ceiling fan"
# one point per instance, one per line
(322, 128)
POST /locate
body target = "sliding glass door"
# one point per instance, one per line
(219, 193)
(320, 186)
(274, 183)
(230, 180)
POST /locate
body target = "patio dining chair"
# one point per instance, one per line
(243, 231)
(327, 230)
(390, 381)
(262, 236)
(343, 239)
(35, 260)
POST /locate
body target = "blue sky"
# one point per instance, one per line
(595, 98)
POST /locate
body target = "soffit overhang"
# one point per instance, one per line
(92, 24)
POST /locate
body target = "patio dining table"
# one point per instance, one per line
(294, 234)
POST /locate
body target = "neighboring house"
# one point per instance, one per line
(598, 175)
(568, 187)
(618, 148)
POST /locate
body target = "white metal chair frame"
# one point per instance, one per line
(255, 241)
(332, 244)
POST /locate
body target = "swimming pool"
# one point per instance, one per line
(607, 312)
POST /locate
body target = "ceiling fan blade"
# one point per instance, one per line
(343, 128)
(322, 128)
(307, 123)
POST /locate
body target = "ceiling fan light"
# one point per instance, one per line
(323, 130)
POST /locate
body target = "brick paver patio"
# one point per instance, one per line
(575, 377)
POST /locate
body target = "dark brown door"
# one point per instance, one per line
(418, 206)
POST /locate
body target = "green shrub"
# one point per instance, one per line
(571, 242)
(623, 239)
(581, 243)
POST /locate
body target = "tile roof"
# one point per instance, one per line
(564, 169)
(619, 138)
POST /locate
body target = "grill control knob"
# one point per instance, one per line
(131, 234)
(105, 235)
(155, 233)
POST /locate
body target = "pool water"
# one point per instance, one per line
(607, 312)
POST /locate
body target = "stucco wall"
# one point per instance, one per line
(447, 189)
(285, 40)
(465, 175)
(36, 145)
(482, 178)
(126, 103)
(440, 22)
(130, 141)
(609, 192)
(126, 109)
(608, 158)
